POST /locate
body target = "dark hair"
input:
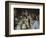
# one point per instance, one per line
(24, 16)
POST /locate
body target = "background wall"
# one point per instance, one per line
(2, 19)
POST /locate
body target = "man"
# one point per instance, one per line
(23, 23)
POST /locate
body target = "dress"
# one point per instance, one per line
(35, 24)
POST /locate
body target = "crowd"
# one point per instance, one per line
(27, 21)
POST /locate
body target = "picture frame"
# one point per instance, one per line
(13, 10)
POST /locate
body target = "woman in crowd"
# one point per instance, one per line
(35, 23)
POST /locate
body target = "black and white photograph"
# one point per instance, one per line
(24, 18)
